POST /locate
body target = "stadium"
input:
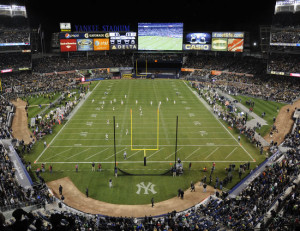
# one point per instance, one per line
(155, 124)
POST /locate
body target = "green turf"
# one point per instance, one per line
(271, 108)
(202, 140)
(159, 43)
(38, 102)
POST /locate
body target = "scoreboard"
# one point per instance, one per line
(214, 41)
(122, 40)
(98, 41)
(228, 41)
(152, 37)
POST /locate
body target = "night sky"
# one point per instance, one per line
(197, 16)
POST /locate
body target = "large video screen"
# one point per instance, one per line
(197, 41)
(160, 36)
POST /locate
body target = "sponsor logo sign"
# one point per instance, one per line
(67, 45)
(101, 44)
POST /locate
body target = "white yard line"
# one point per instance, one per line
(77, 154)
(173, 153)
(192, 153)
(114, 153)
(212, 153)
(128, 145)
(65, 125)
(58, 154)
(135, 162)
(230, 153)
(195, 138)
(155, 153)
(95, 154)
(134, 154)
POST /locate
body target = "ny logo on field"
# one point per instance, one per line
(149, 187)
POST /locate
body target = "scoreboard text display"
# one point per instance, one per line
(122, 40)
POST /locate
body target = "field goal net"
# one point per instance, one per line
(166, 173)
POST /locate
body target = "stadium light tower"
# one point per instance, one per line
(287, 6)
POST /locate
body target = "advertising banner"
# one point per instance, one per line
(67, 45)
(101, 44)
(235, 45)
(228, 34)
(84, 44)
(219, 44)
(197, 41)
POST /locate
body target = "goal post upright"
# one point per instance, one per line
(136, 72)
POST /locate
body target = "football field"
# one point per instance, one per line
(145, 113)
(89, 135)
(159, 43)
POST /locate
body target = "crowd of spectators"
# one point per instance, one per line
(24, 84)
(288, 63)
(286, 215)
(15, 61)
(6, 109)
(15, 37)
(225, 62)
(286, 35)
(276, 88)
(292, 140)
(49, 64)
(14, 30)
(243, 212)
(12, 194)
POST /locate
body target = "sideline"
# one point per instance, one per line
(209, 109)
(69, 117)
